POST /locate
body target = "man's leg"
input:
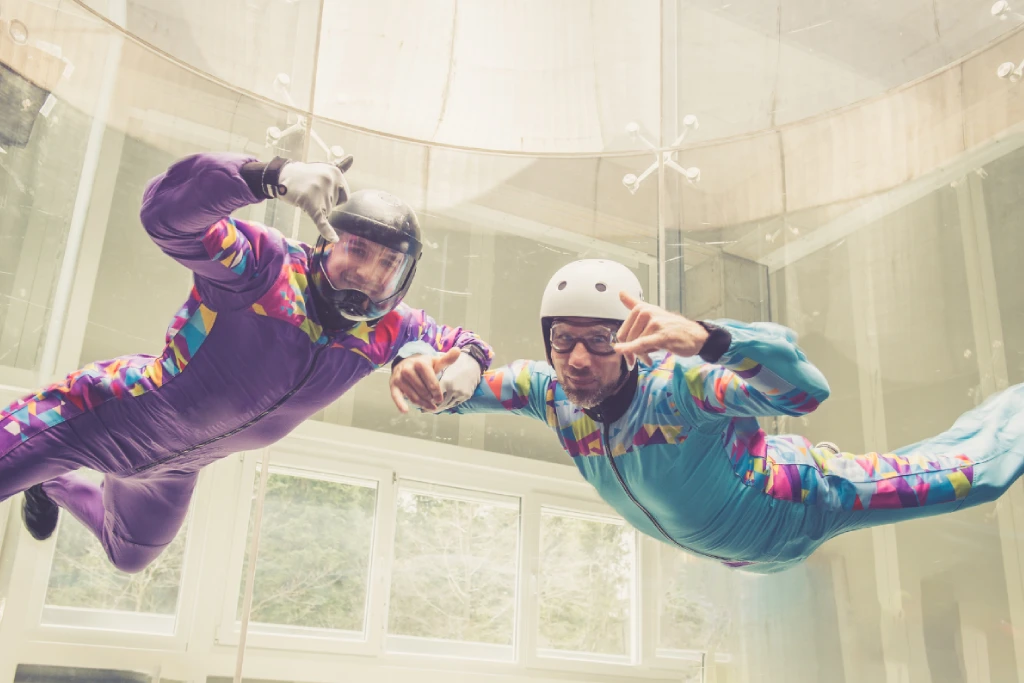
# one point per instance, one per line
(973, 462)
(134, 518)
(24, 465)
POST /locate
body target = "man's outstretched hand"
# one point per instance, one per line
(415, 379)
(651, 328)
(435, 383)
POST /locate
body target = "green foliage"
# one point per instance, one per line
(314, 554)
(454, 573)
(82, 575)
(454, 576)
(586, 585)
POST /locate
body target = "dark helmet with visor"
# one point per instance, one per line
(367, 272)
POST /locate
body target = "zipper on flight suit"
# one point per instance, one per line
(607, 446)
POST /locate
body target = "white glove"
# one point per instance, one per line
(458, 381)
(317, 189)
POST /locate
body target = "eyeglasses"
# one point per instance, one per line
(597, 340)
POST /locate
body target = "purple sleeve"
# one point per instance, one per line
(420, 329)
(187, 210)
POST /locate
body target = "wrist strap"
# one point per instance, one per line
(477, 354)
(718, 342)
(270, 180)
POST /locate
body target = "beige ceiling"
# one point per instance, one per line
(567, 76)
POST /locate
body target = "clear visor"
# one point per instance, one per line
(356, 263)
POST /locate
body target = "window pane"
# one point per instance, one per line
(82, 576)
(313, 564)
(455, 567)
(587, 570)
(693, 610)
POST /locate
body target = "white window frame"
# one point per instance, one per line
(290, 463)
(107, 627)
(598, 511)
(451, 649)
(216, 546)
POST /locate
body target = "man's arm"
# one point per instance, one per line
(521, 388)
(753, 369)
(425, 336)
(761, 372)
(436, 366)
(187, 211)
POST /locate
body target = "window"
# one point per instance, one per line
(83, 581)
(694, 609)
(313, 566)
(454, 575)
(587, 587)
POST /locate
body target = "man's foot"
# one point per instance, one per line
(828, 446)
(39, 513)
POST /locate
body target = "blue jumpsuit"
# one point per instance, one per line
(688, 463)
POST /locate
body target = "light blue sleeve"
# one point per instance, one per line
(762, 373)
(521, 388)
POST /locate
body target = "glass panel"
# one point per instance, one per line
(496, 229)
(1004, 215)
(157, 126)
(245, 44)
(455, 574)
(587, 584)
(50, 101)
(313, 570)
(885, 310)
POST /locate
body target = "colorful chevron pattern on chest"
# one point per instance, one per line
(287, 298)
(377, 344)
(652, 419)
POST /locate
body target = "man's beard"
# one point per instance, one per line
(590, 397)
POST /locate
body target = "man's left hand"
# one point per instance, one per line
(651, 328)
(435, 383)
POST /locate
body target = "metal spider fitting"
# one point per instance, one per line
(691, 174)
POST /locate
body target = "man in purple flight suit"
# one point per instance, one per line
(273, 331)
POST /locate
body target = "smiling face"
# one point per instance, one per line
(588, 375)
(357, 263)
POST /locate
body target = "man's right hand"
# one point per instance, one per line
(317, 189)
(415, 379)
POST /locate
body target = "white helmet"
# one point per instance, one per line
(587, 289)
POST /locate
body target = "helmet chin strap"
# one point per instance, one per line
(329, 316)
(627, 368)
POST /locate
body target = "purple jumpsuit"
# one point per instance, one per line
(245, 362)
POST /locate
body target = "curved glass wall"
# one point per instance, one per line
(852, 173)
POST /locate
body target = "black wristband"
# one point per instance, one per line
(264, 179)
(718, 342)
(477, 354)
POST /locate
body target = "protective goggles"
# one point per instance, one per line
(598, 340)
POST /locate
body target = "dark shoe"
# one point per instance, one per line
(828, 446)
(39, 513)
